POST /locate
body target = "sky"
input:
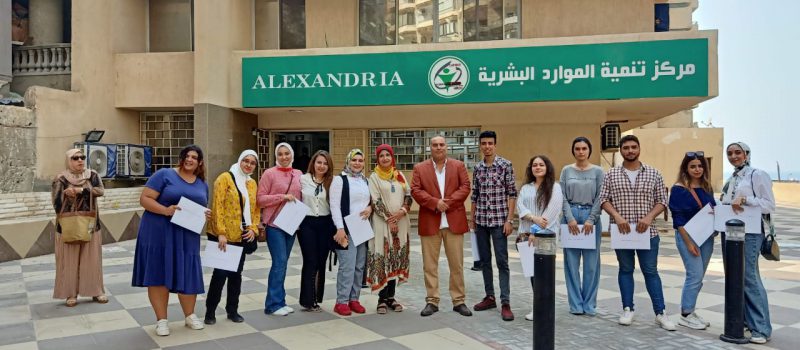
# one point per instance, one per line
(759, 84)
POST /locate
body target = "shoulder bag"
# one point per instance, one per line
(77, 226)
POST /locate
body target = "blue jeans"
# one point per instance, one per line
(488, 236)
(648, 262)
(756, 304)
(695, 270)
(583, 297)
(352, 262)
(280, 245)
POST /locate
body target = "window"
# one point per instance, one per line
(412, 146)
(425, 21)
(293, 24)
(170, 25)
(167, 133)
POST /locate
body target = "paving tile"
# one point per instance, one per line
(323, 335)
(17, 333)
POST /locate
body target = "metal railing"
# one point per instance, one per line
(41, 59)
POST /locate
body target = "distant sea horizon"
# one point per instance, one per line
(793, 175)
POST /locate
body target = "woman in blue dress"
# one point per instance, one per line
(167, 257)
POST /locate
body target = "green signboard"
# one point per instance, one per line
(645, 69)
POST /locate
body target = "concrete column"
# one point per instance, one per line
(46, 25)
(5, 43)
(223, 133)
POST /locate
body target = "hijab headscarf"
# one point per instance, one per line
(727, 196)
(72, 174)
(241, 183)
(291, 151)
(390, 174)
(348, 170)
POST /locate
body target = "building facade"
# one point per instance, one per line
(339, 74)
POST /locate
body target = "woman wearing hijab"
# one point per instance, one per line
(388, 258)
(350, 195)
(278, 185)
(316, 230)
(234, 221)
(167, 257)
(79, 266)
(751, 187)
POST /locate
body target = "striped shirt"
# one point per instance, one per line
(633, 202)
(493, 186)
(526, 204)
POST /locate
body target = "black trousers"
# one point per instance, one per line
(234, 288)
(387, 292)
(314, 236)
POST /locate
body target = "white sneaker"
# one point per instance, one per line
(664, 321)
(693, 321)
(281, 312)
(194, 322)
(289, 308)
(758, 339)
(162, 328)
(529, 316)
(627, 317)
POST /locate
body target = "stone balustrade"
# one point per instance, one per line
(18, 206)
(41, 59)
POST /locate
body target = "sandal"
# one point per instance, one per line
(102, 299)
(71, 302)
(314, 308)
(394, 305)
(383, 309)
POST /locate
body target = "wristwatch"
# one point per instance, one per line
(510, 221)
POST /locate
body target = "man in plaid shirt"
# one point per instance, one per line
(633, 195)
(493, 203)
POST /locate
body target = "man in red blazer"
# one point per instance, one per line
(441, 185)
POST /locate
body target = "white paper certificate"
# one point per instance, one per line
(227, 260)
(474, 242)
(701, 225)
(360, 229)
(192, 216)
(526, 258)
(750, 215)
(580, 241)
(632, 240)
(290, 216)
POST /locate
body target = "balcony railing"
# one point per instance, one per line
(41, 59)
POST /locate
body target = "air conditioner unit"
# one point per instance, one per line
(134, 160)
(610, 135)
(100, 157)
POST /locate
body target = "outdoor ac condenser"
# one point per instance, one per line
(100, 157)
(134, 160)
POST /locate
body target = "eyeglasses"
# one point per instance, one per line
(78, 157)
(695, 154)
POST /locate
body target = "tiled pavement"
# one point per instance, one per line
(30, 319)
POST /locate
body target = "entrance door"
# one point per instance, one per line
(304, 143)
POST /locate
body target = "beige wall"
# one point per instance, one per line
(787, 193)
(267, 24)
(154, 80)
(97, 28)
(345, 140)
(664, 149)
(331, 23)
(130, 21)
(556, 18)
(170, 27)
(46, 22)
(221, 27)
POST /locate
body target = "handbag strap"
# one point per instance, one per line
(282, 204)
(696, 198)
(241, 199)
(764, 217)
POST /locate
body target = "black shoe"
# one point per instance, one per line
(475, 268)
(235, 317)
(462, 309)
(429, 309)
(210, 319)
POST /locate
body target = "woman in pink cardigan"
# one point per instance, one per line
(278, 185)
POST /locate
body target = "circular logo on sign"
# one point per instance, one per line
(448, 76)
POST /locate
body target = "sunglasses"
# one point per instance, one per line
(78, 157)
(695, 154)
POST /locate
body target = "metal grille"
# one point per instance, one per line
(262, 139)
(167, 133)
(412, 146)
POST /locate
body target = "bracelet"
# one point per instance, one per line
(404, 210)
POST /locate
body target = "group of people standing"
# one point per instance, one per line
(167, 256)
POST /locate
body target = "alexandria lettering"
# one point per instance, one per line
(328, 80)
